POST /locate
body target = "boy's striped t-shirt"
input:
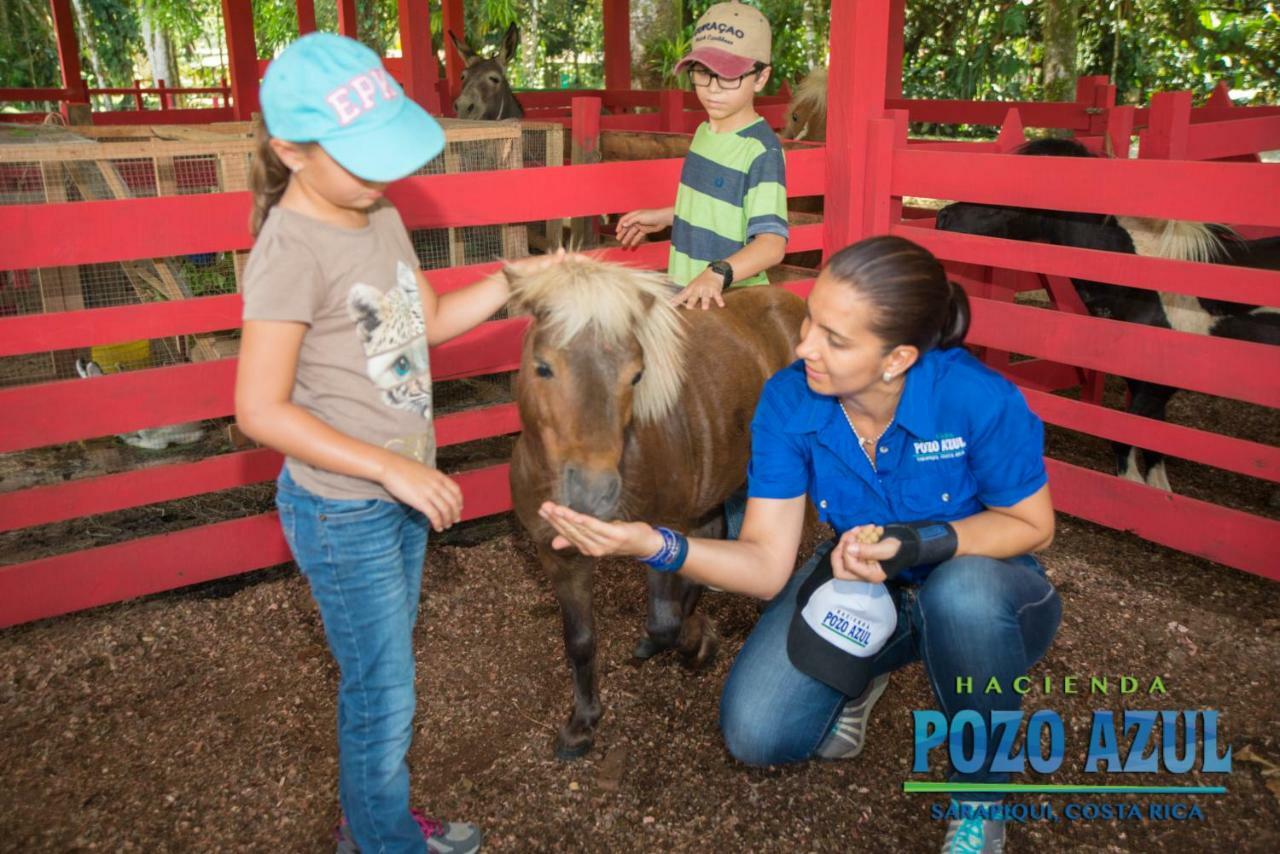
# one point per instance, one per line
(732, 188)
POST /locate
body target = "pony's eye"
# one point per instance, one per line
(795, 117)
(636, 379)
(495, 79)
(543, 370)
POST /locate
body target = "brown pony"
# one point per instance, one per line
(486, 94)
(633, 409)
(807, 112)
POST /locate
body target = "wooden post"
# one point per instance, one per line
(306, 16)
(1166, 135)
(137, 94)
(897, 25)
(347, 18)
(1220, 96)
(163, 92)
(586, 149)
(454, 21)
(1119, 130)
(617, 44)
(64, 24)
(856, 95)
(1011, 133)
(420, 71)
(242, 57)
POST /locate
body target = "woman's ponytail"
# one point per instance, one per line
(955, 326)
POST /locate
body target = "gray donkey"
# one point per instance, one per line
(486, 94)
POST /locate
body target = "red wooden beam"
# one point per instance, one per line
(1066, 116)
(1205, 192)
(306, 16)
(182, 225)
(1224, 452)
(1231, 537)
(1237, 284)
(421, 71)
(1177, 359)
(93, 495)
(347, 23)
(64, 25)
(1229, 139)
(893, 58)
(617, 44)
(454, 22)
(242, 57)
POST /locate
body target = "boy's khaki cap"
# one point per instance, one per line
(730, 39)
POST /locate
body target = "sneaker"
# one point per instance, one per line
(974, 835)
(443, 837)
(849, 732)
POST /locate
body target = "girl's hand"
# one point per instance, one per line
(635, 226)
(426, 489)
(597, 538)
(857, 555)
(704, 289)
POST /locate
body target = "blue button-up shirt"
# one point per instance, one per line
(962, 439)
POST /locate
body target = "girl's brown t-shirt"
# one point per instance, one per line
(364, 367)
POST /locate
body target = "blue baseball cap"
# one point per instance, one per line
(333, 90)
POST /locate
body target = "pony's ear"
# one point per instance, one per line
(464, 50)
(509, 41)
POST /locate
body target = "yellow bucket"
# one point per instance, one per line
(128, 356)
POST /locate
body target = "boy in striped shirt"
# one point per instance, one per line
(729, 222)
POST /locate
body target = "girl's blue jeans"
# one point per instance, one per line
(972, 618)
(364, 559)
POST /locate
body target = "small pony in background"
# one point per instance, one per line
(486, 94)
(618, 424)
(807, 112)
(152, 438)
(1173, 239)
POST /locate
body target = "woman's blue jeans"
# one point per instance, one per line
(364, 559)
(972, 617)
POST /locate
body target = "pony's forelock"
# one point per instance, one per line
(616, 302)
(812, 91)
(1179, 240)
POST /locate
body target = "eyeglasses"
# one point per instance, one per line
(700, 76)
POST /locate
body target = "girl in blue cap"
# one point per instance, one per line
(334, 374)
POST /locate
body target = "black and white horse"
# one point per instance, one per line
(1187, 241)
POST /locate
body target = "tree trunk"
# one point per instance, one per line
(159, 47)
(529, 44)
(652, 22)
(1060, 49)
(91, 43)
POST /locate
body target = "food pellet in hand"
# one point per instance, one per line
(869, 535)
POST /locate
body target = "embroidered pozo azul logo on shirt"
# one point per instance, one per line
(945, 447)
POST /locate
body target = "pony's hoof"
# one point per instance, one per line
(647, 648)
(705, 655)
(570, 749)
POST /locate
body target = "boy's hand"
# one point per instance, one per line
(633, 227)
(704, 290)
(426, 489)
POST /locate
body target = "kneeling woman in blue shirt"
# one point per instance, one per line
(885, 420)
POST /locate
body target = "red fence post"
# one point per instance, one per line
(347, 18)
(856, 95)
(454, 22)
(420, 71)
(1166, 135)
(242, 57)
(897, 24)
(69, 52)
(1119, 130)
(306, 16)
(163, 92)
(137, 94)
(671, 111)
(585, 148)
(617, 44)
(1011, 133)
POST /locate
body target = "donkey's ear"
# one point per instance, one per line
(464, 50)
(509, 41)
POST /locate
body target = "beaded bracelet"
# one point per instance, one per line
(671, 556)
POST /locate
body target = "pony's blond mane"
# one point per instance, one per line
(1178, 240)
(616, 302)
(812, 91)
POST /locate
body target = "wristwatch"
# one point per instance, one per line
(725, 271)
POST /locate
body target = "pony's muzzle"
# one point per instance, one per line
(595, 493)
